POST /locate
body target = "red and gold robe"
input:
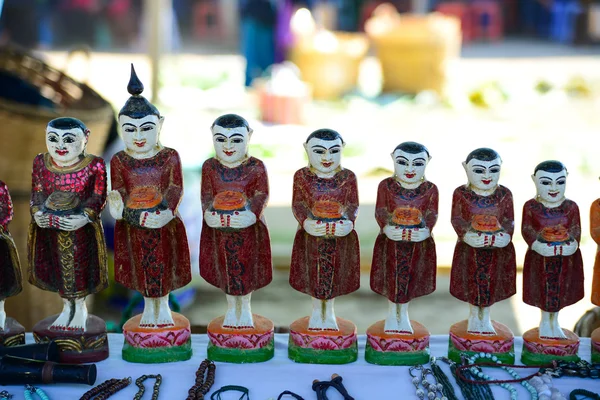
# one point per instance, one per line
(595, 231)
(237, 261)
(325, 267)
(70, 263)
(551, 283)
(10, 267)
(402, 270)
(153, 262)
(482, 276)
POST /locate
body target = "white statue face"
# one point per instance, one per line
(550, 186)
(483, 175)
(409, 168)
(325, 156)
(140, 135)
(65, 145)
(231, 144)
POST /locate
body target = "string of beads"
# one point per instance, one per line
(31, 390)
(139, 382)
(106, 389)
(205, 378)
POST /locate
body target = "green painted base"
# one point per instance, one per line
(454, 354)
(158, 354)
(529, 358)
(241, 356)
(314, 356)
(396, 357)
(595, 356)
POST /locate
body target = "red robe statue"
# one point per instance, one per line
(325, 267)
(401, 270)
(237, 261)
(595, 231)
(551, 283)
(10, 267)
(482, 276)
(153, 262)
(70, 263)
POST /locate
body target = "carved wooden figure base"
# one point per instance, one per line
(596, 346)
(323, 347)
(157, 345)
(76, 347)
(501, 344)
(13, 333)
(537, 351)
(397, 349)
(241, 345)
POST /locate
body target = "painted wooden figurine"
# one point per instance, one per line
(595, 231)
(484, 263)
(11, 332)
(325, 256)
(67, 251)
(151, 247)
(235, 251)
(404, 259)
(553, 267)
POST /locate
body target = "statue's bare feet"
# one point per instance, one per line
(79, 320)
(165, 317)
(61, 323)
(392, 325)
(550, 330)
(148, 319)
(2, 320)
(246, 321)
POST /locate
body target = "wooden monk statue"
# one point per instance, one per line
(595, 231)
(67, 251)
(553, 267)
(235, 251)
(326, 255)
(404, 259)
(151, 248)
(484, 263)
(11, 332)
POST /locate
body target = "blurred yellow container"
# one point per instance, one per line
(415, 50)
(329, 62)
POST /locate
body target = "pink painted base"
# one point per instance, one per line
(394, 342)
(501, 342)
(553, 347)
(147, 338)
(344, 338)
(248, 339)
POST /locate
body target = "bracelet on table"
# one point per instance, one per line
(288, 393)
(580, 369)
(31, 390)
(203, 384)
(230, 388)
(582, 392)
(442, 379)
(320, 387)
(5, 395)
(106, 389)
(469, 391)
(139, 382)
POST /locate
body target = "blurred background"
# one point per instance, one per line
(522, 77)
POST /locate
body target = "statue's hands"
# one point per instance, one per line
(500, 239)
(418, 234)
(241, 219)
(72, 222)
(393, 232)
(212, 219)
(398, 233)
(340, 228)
(157, 219)
(569, 247)
(115, 204)
(476, 239)
(41, 219)
(314, 227)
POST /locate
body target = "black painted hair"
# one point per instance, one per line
(325, 134)
(68, 123)
(231, 121)
(412, 148)
(137, 106)
(550, 166)
(483, 154)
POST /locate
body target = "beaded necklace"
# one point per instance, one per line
(5, 395)
(105, 389)
(431, 388)
(203, 384)
(139, 382)
(580, 369)
(31, 390)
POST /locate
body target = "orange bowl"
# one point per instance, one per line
(144, 197)
(229, 200)
(327, 209)
(486, 223)
(407, 216)
(555, 234)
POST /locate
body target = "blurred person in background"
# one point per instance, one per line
(19, 22)
(258, 19)
(77, 21)
(123, 17)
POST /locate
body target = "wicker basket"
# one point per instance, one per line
(414, 51)
(22, 130)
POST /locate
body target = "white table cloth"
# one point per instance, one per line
(267, 380)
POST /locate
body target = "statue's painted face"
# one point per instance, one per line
(409, 168)
(324, 156)
(550, 186)
(483, 175)
(140, 134)
(65, 145)
(231, 144)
